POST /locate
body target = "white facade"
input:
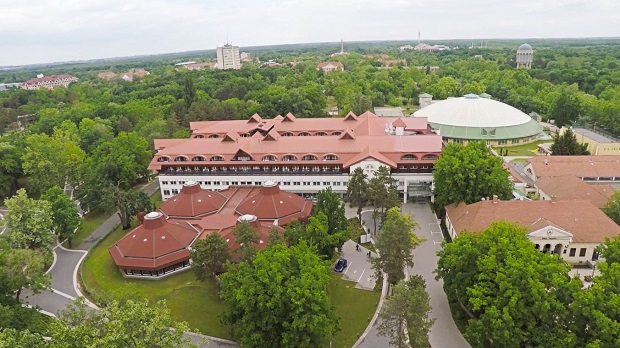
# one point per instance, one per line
(306, 185)
(228, 57)
(554, 240)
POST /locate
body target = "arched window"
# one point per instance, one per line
(321, 134)
(198, 159)
(245, 135)
(216, 158)
(309, 158)
(336, 133)
(304, 134)
(287, 158)
(430, 157)
(163, 159)
(269, 158)
(199, 136)
(213, 136)
(180, 159)
(330, 157)
(288, 134)
(409, 157)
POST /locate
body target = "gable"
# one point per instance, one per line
(350, 116)
(551, 233)
(255, 119)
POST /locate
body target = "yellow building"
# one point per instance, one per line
(598, 144)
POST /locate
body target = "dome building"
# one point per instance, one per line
(525, 57)
(474, 118)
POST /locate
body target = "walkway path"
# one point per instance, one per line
(444, 332)
(64, 284)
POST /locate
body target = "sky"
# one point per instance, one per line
(44, 31)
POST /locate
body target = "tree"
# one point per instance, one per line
(330, 204)
(383, 193)
(52, 161)
(30, 222)
(24, 268)
(10, 168)
(280, 300)
(131, 324)
(294, 233)
(408, 307)
(275, 237)
(357, 190)
(469, 173)
(597, 323)
(566, 108)
(65, 214)
(360, 103)
(515, 295)
(245, 235)
(10, 338)
(395, 242)
(189, 91)
(566, 144)
(209, 256)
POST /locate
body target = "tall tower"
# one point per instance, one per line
(419, 42)
(525, 57)
(341, 46)
(228, 57)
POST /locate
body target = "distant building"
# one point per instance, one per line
(200, 66)
(388, 111)
(587, 168)
(49, 82)
(405, 48)
(330, 66)
(127, 76)
(598, 143)
(431, 68)
(228, 57)
(342, 52)
(525, 57)
(423, 47)
(392, 62)
(245, 57)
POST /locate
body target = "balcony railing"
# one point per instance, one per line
(249, 172)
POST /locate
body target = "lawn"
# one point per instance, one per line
(90, 222)
(195, 302)
(523, 150)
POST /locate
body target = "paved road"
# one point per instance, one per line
(359, 268)
(65, 285)
(112, 221)
(444, 333)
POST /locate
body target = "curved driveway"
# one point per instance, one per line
(444, 333)
(64, 285)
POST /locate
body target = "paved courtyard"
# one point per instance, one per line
(358, 269)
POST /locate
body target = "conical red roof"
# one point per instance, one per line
(271, 203)
(193, 201)
(155, 244)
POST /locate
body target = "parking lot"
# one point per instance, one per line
(358, 269)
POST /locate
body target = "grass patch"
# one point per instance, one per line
(355, 308)
(156, 199)
(530, 149)
(188, 300)
(90, 222)
(196, 302)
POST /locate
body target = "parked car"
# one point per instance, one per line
(341, 265)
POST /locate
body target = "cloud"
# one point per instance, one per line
(55, 30)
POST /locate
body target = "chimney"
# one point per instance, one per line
(553, 197)
(546, 161)
(495, 199)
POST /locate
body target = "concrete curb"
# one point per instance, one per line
(211, 338)
(384, 290)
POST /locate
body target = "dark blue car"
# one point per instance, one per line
(341, 265)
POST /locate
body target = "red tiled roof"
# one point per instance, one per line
(49, 78)
(583, 220)
(324, 64)
(193, 202)
(156, 244)
(581, 166)
(271, 203)
(570, 187)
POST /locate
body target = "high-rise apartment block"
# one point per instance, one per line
(228, 57)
